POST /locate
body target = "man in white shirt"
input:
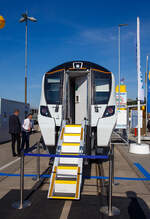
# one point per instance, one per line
(26, 130)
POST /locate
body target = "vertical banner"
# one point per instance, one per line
(148, 92)
(139, 77)
(139, 74)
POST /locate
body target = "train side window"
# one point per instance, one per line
(102, 87)
(53, 88)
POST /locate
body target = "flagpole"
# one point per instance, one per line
(138, 72)
(139, 148)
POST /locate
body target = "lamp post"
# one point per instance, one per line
(25, 18)
(119, 26)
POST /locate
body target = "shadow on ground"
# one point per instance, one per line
(88, 207)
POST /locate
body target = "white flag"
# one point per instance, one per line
(139, 74)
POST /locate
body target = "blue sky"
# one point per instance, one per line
(67, 30)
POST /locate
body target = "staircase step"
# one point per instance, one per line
(73, 125)
(70, 144)
(65, 181)
(67, 160)
(73, 129)
(65, 186)
(70, 161)
(72, 137)
(57, 195)
(72, 134)
(65, 176)
(70, 148)
(68, 165)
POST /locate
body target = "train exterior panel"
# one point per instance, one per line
(78, 91)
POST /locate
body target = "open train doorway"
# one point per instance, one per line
(77, 103)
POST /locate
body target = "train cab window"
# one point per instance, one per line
(102, 84)
(53, 88)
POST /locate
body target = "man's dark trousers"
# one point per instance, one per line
(15, 130)
(25, 140)
(15, 137)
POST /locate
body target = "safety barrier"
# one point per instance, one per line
(108, 210)
(69, 156)
(85, 177)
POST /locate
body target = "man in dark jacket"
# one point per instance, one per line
(15, 131)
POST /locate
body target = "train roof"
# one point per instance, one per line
(85, 64)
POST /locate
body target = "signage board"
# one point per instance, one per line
(134, 119)
(123, 99)
(121, 119)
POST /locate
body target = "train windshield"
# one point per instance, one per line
(53, 88)
(102, 87)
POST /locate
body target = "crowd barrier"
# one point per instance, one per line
(93, 157)
(21, 204)
(85, 177)
(108, 210)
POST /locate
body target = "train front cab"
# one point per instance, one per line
(77, 94)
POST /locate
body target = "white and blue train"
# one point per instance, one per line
(78, 91)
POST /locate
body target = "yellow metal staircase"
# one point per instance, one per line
(66, 177)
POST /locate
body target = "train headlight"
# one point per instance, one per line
(44, 111)
(110, 111)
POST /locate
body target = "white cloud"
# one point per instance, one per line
(98, 35)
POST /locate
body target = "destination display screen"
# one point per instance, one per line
(53, 80)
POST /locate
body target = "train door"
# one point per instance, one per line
(77, 99)
(80, 99)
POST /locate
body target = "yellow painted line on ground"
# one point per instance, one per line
(78, 179)
(65, 182)
(67, 168)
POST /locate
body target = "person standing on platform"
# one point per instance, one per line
(15, 131)
(26, 131)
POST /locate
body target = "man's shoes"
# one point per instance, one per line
(19, 155)
(14, 154)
